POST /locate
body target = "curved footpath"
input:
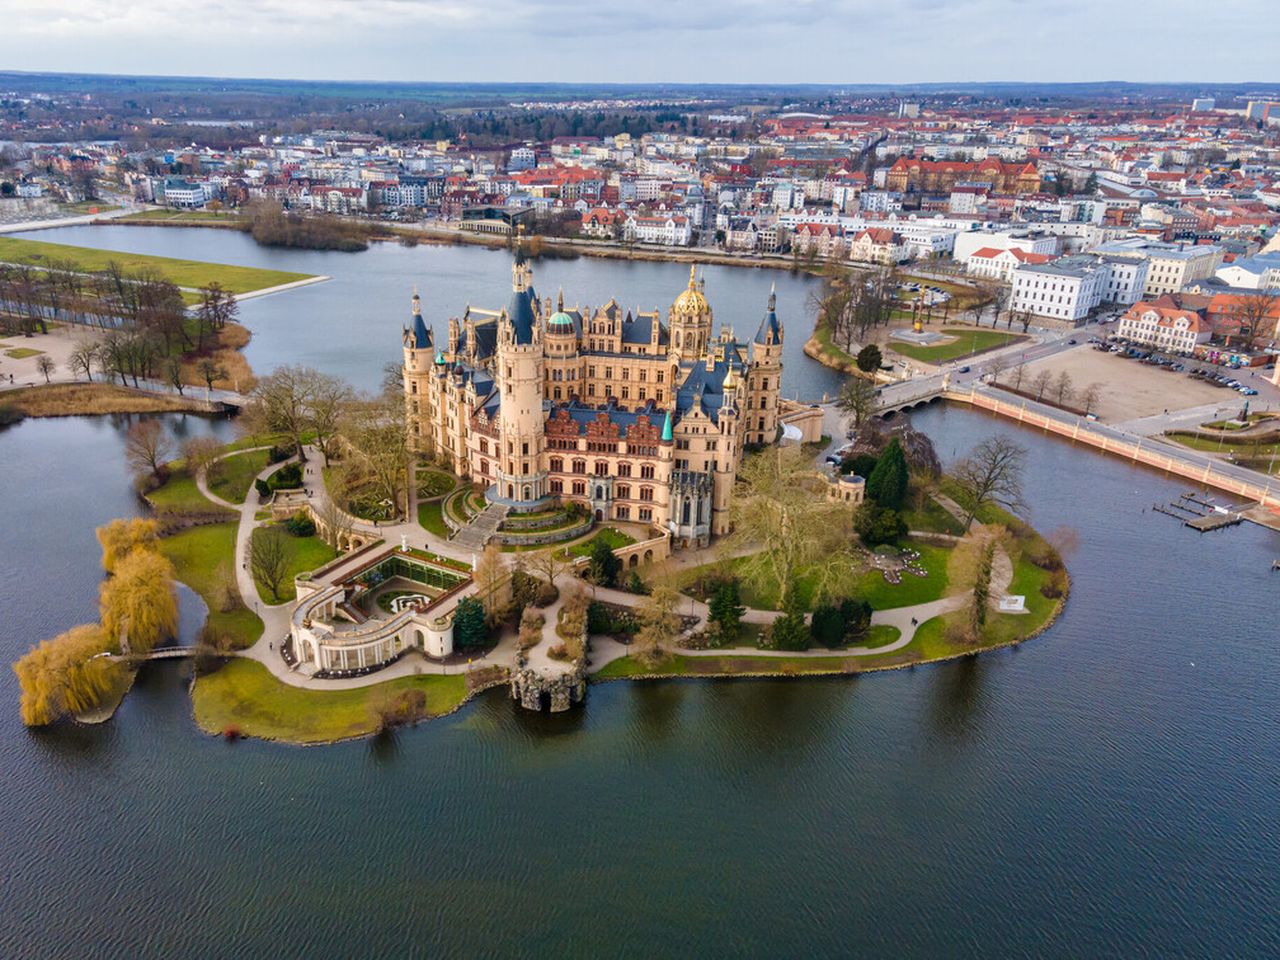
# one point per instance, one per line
(604, 650)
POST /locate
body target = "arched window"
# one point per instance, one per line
(579, 466)
(557, 465)
(579, 487)
(646, 493)
(622, 491)
(557, 486)
(624, 469)
(602, 468)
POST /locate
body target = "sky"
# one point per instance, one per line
(695, 41)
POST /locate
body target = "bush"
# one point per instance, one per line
(263, 489)
(548, 594)
(287, 477)
(524, 591)
(1044, 556)
(1055, 585)
(277, 454)
(300, 525)
(636, 585)
(876, 525)
(861, 465)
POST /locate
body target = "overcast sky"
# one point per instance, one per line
(819, 41)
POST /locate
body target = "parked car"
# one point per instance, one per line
(964, 369)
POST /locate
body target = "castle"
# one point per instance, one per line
(636, 419)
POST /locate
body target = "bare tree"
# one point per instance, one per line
(83, 358)
(1041, 383)
(199, 454)
(996, 366)
(270, 554)
(327, 404)
(147, 446)
(173, 373)
(857, 399)
(1089, 397)
(209, 369)
(1063, 388)
(333, 522)
(281, 403)
(46, 365)
(1019, 374)
(1259, 315)
(992, 473)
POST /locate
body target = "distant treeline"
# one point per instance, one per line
(272, 226)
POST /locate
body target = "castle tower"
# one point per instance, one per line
(764, 380)
(419, 354)
(521, 482)
(689, 322)
(562, 355)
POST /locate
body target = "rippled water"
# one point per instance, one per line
(1108, 790)
(351, 324)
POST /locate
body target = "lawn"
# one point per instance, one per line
(433, 483)
(22, 353)
(181, 216)
(244, 696)
(966, 342)
(871, 585)
(179, 494)
(933, 518)
(232, 477)
(611, 536)
(1225, 444)
(431, 520)
(184, 273)
(308, 553)
(197, 553)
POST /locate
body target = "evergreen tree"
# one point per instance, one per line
(869, 358)
(887, 485)
(827, 626)
(603, 567)
(855, 619)
(790, 632)
(727, 610)
(469, 628)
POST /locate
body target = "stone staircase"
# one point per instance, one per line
(481, 528)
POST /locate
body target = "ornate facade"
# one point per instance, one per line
(911, 174)
(638, 419)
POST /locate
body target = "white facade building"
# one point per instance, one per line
(1171, 330)
(1066, 289)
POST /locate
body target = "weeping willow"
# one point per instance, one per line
(120, 537)
(64, 675)
(139, 600)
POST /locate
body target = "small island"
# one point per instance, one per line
(373, 561)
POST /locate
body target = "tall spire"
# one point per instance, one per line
(560, 301)
(773, 296)
(693, 275)
(417, 302)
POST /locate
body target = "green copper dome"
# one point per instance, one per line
(560, 319)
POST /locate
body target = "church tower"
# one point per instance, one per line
(520, 483)
(419, 352)
(689, 322)
(764, 381)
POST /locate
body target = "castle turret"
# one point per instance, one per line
(689, 321)
(419, 354)
(765, 378)
(519, 374)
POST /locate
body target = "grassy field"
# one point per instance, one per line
(22, 353)
(433, 483)
(611, 536)
(1225, 444)
(76, 399)
(431, 520)
(931, 517)
(308, 554)
(197, 553)
(232, 477)
(871, 585)
(179, 216)
(181, 495)
(185, 273)
(966, 342)
(244, 696)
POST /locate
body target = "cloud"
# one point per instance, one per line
(826, 41)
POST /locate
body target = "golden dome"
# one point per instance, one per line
(691, 300)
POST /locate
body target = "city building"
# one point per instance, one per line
(1064, 289)
(1171, 329)
(633, 417)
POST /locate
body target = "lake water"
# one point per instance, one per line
(1107, 790)
(351, 324)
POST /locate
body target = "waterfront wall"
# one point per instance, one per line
(1264, 492)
